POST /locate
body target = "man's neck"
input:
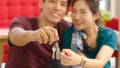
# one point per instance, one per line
(43, 22)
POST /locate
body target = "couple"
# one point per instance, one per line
(31, 39)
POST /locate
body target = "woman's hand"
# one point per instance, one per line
(70, 58)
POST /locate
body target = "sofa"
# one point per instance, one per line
(14, 8)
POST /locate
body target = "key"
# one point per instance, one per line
(53, 49)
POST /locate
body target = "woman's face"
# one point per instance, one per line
(82, 16)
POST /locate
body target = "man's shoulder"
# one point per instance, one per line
(64, 24)
(22, 19)
(23, 22)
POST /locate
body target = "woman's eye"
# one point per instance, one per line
(83, 12)
(73, 11)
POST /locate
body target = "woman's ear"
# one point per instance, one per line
(97, 15)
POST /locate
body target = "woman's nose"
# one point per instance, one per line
(77, 16)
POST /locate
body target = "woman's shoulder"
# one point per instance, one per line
(106, 30)
(108, 36)
(68, 32)
(69, 29)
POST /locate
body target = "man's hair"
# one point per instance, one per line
(69, 2)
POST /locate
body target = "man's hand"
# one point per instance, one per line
(46, 34)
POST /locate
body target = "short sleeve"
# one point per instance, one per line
(20, 22)
(111, 39)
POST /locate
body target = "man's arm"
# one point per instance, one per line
(21, 37)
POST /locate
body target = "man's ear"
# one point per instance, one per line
(41, 4)
(67, 12)
(97, 15)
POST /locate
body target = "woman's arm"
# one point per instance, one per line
(101, 59)
(70, 58)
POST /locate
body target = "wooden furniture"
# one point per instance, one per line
(3, 40)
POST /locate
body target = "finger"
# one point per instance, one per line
(44, 36)
(68, 52)
(49, 33)
(65, 63)
(51, 36)
(56, 36)
(38, 37)
(65, 57)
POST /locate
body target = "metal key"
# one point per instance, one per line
(57, 51)
(53, 49)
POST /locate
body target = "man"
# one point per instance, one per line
(30, 38)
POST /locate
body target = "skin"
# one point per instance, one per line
(52, 12)
(84, 19)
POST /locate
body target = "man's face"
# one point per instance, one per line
(54, 10)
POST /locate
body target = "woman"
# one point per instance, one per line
(95, 44)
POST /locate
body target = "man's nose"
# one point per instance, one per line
(57, 6)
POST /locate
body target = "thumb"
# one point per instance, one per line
(68, 52)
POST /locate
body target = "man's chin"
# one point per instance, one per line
(56, 21)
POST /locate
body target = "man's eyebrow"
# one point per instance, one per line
(64, 1)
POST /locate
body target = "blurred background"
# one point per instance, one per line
(110, 16)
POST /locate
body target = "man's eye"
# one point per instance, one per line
(64, 4)
(83, 12)
(52, 1)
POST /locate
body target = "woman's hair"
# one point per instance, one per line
(86, 47)
(93, 5)
(69, 2)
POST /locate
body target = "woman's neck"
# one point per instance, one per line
(92, 33)
(92, 30)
